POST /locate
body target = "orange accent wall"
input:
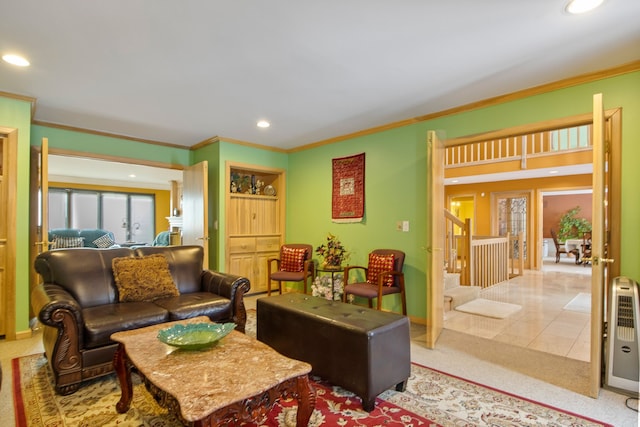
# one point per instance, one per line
(553, 207)
(536, 185)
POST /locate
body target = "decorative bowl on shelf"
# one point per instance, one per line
(195, 336)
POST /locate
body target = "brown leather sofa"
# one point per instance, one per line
(78, 305)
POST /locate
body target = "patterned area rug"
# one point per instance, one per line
(432, 398)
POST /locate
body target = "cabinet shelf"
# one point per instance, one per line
(251, 196)
(255, 235)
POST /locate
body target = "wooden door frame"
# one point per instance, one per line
(614, 141)
(9, 290)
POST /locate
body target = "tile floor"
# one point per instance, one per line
(542, 324)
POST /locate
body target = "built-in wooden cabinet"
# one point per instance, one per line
(254, 221)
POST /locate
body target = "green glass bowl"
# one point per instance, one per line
(195, 336)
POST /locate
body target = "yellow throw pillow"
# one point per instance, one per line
(143, 278)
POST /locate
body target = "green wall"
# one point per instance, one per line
(395, 186)
(396, 181)
(16, 114)
(109, 146)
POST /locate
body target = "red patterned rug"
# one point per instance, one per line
(432, 398)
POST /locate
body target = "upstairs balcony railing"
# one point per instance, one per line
(520, 147)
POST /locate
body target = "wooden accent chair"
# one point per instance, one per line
(294, 265)
(560, 249)
(383, 276)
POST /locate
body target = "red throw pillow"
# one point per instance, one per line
(378, 264)
(292, 259)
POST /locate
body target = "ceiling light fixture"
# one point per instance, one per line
(16, 60)
(582, 6)
(263, 124)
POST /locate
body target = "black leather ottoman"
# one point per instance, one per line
(362, 350)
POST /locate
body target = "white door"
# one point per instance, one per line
(39, 216)
(195, 203)
(435, 228)
(43, 182)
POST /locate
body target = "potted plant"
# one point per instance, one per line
(572, 227)
(333, 252)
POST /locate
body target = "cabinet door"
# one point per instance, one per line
(239, 216)
(265, 216)
(261, 279)
(243, 265)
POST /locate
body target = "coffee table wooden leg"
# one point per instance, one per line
(306, 401)
(122, 368)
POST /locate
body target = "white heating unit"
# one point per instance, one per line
(623, 347)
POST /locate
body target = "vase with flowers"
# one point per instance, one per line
(333, 252)
(328, 287)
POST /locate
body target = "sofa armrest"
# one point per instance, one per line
(228, 286)
(48, 298)
(56, 308)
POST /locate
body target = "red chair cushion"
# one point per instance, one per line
(378, 264)
(292, 259)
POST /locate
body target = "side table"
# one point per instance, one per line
(333, 272)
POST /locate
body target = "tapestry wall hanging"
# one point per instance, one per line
(347, 202)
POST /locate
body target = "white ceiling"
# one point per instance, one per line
(522, 174)
(183, 72)
(99, 172)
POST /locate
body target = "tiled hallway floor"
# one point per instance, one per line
(542, 324)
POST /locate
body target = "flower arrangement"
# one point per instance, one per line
(322, 287)
(333, 252)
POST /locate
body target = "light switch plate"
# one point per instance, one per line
(405, 225)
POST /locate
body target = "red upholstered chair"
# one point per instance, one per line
(294, 265)
(383, 276)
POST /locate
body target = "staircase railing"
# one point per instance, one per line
(489, 264)
(481, 260)
(458, 243)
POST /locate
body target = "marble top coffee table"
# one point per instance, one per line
(239, 379)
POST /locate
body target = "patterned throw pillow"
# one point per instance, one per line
(60, 242)
(378, 264)
(104, 241)
(293, 259)
(144, 278)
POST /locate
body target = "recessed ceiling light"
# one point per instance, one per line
(554, 171)
(582, 6)
(263, 124)
(15, 60)
(133, 175)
